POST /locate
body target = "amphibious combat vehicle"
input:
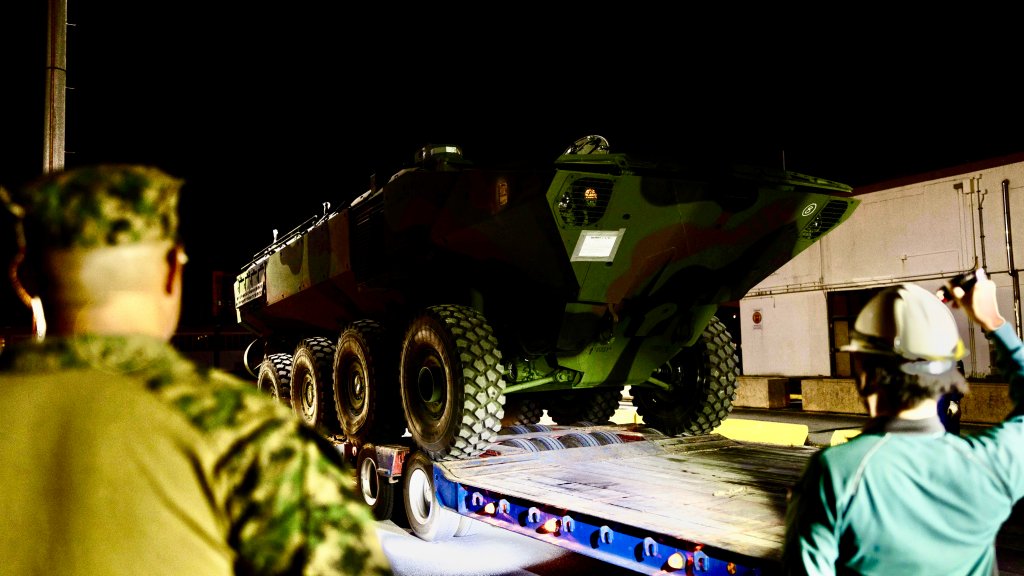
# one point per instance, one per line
(458, 298)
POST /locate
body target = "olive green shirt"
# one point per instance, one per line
(119, 456)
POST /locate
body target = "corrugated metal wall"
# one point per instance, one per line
(922, 232)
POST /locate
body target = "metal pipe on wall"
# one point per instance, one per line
(981, 219)
(959, 189)
(1009, 256)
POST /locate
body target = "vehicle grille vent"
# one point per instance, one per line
(252, 286)
(826, 219)
(585, 202)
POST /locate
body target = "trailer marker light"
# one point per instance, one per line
(489, 508)
(701, 562)
(650, 547)
(568, 524)
(533, 515)
(550, 526)
(676, 561)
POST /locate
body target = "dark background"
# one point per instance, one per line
(269, 110)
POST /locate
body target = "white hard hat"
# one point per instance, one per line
(910, 322)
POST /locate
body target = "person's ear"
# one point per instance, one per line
(176, 259)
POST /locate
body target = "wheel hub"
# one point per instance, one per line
(368, 477)
(421, 497)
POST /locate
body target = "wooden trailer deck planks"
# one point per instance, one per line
(708, 489)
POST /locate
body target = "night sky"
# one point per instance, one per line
(269, 110)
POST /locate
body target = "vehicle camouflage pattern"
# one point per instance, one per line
(457, 299)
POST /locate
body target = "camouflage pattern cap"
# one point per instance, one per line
(102, 205)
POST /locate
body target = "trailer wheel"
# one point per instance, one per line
(451, 382)
(522, 408)
(365, 385)
(596, 405)
(428, 519)
(703, 379)
(312, 390)
(275, 377)
(378, 493)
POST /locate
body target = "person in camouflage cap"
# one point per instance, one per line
(121, 456)
(104, 205)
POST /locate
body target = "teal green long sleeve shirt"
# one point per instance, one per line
(904, 497)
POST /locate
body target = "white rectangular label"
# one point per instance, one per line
(597, 245)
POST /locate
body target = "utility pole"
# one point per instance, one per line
(56, 86)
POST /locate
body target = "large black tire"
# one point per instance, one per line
(377, 492)
(703, 379)
(275, 377)
(427, 518)
(365, 379)
(522, 408)
(451, 382)
(596, 405)
(312, 389)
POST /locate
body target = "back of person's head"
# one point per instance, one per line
(103, 250)
(908, 343)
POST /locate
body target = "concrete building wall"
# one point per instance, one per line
(785, 335)
(922, 231)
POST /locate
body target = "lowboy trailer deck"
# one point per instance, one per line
(629, 497)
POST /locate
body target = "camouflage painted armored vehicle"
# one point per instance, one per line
(459, 298)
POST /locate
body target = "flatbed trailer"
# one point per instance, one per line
(624, 495)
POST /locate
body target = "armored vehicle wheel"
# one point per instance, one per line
(378, 493)
(312, 390)
(522, 408)
(275, 377)
(703, 379)
(365, 388)
(428, 519)
(451, 382)
(592, 405)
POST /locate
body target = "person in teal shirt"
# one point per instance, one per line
(905, 496)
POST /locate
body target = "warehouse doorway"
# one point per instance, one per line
(843, 308)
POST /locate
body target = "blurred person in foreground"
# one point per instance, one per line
(120, 456)
(905, 496)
